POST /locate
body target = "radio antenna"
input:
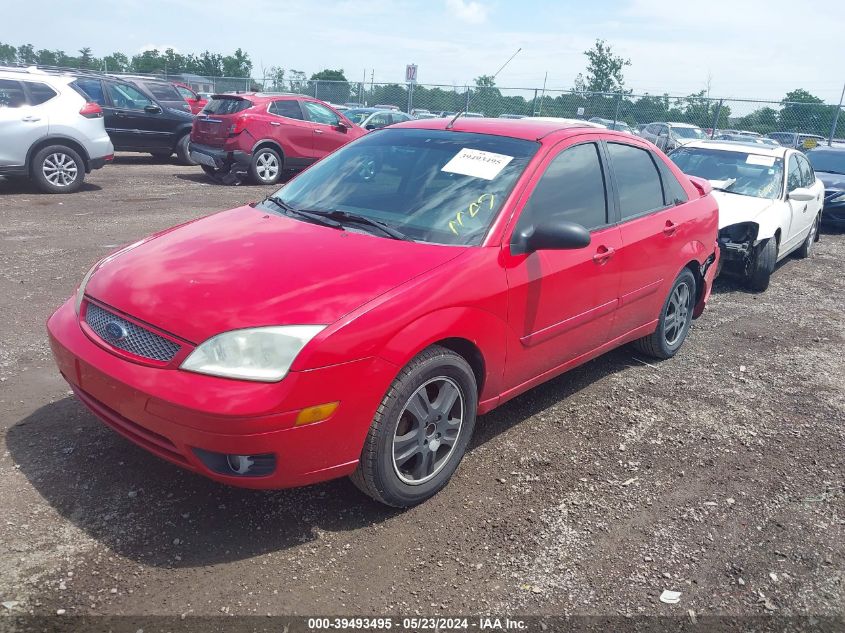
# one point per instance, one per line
(469, 96)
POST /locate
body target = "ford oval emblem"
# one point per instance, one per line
(116, 332)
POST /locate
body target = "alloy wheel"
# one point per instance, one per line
(267, 166)
(60, 169)
(428, 430)
(677, 314)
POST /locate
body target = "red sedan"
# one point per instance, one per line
(357, 321)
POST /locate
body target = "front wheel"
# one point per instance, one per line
(420, 431)
(762, 265)
(806, 249)
(675, 320)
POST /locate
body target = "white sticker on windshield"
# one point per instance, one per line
(477, 163)
(765, 161)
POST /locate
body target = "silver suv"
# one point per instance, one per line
(49, 130)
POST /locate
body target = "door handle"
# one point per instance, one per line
(274, 123)
(318, 131)
(31, 119)
(603, 254)
(670, 228)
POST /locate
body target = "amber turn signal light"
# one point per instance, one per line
(316, 413)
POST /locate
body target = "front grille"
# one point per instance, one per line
(125, 335)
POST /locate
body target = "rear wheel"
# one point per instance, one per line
(58, 169)
(762, 265)
(265, 168)
(420, 431)
(675, 320)
(182, 153)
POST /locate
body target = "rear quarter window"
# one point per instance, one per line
(226, 105)
(39, 93)
(91, 89)
(163, 92)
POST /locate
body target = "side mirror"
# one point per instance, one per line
(342, 127)
(152, 109)
(550, 235)
(801, 194)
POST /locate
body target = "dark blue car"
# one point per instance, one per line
(829, 165)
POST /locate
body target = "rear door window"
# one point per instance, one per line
(793, 175)
(637, 179)
(39, 93)
(808, 177)
(11, 94)
(93, 89)
(287, 108)
(163, 92)
(572, 188)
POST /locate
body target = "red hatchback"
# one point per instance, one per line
(357, 321)
(260, 135)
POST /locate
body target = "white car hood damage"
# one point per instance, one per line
(734, 208)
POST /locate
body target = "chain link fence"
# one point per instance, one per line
(790, 123)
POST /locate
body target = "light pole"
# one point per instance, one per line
(835, 118)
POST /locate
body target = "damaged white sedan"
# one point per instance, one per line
(770, 203)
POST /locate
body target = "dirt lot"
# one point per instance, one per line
(719, 474)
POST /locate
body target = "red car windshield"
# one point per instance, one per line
(432, 185)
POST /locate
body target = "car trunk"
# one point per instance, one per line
(213, 125)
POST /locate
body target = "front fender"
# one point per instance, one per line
(483, 329)
(771, 220)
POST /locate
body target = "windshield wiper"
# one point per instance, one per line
(316, 218)
(361, 219)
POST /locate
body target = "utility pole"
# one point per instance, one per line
(543, 95)
(836, 118)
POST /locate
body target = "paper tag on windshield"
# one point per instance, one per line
(765, 161)
(477, 163)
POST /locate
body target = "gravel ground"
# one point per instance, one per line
(719, 473)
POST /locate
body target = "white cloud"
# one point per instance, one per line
(470, 11)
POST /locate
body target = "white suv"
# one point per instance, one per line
(49, 130)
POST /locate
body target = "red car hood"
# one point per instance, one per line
(247, 268)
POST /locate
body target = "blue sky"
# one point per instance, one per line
(747, 48)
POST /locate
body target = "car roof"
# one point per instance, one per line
(745, 148)
(529, 129)
(676, 124)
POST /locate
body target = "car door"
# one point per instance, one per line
(21, 125)
(328, 133)
(140, 124)
(815, 186)
(287, 125)
(654, 226)
(562, 302)
(797, 209)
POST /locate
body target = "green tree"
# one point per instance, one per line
(485, 81)
(604, 70)
(26, 54)
(8, 54)
(116, 63)
(47, 58)
(804, 112)
(149, 61)
(328, 74)
(237, 64)
(86, 59)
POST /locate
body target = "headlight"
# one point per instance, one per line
(264, 354)
(80, 292)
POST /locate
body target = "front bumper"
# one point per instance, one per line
(171, 412)
(833, 213)
(226, 162)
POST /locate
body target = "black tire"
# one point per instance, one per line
(675, 319)
(183, 156)
(57, 169)
(806, 249)
(437, 371)
(762, 265)
(266, 166)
